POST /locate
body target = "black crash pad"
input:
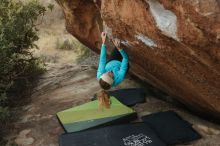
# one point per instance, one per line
(129, 96)
(171, 128)
(138, 134)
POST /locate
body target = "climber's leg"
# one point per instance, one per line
(115, 55)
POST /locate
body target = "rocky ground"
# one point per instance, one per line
(65, 86)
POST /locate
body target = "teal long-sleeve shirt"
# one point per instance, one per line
(118, 68)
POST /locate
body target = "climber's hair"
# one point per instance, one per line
(104, 99)
(104, 85)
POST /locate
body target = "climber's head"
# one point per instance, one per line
(106, 80)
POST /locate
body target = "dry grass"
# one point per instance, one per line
(56, 45)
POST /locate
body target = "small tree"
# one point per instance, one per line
(18, 33)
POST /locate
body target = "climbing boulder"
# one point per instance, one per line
(172, 44)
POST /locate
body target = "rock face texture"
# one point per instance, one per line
(172, 44)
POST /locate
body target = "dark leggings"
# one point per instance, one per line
(116, 55)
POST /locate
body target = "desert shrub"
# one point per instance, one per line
(73, 44)
(65, 45)
(18, 66)
(81, 50)
(83, 53)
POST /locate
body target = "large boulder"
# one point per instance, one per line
(172, 44)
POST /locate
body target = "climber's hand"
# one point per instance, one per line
(117, 43)
(103, 36)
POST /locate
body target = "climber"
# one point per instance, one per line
(112, 72)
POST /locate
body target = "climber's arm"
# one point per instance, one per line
(124, 63)
(123, 69)
(102, 60)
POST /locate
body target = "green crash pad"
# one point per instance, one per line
(89, 115)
